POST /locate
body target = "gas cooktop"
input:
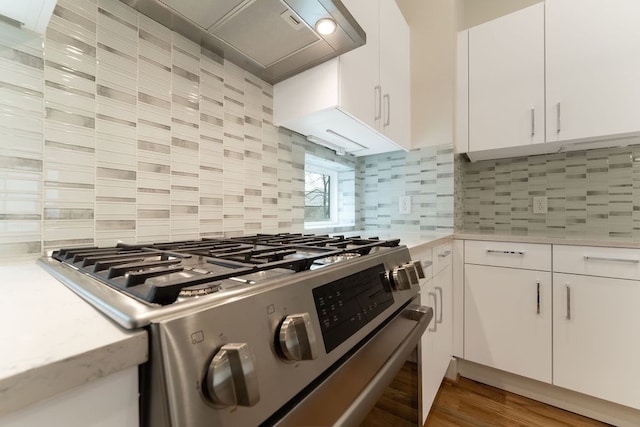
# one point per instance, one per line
(171, 273)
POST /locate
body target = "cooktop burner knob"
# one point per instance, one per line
(418, 266)
(297, 338)
(412, 273)
(400, 278)
(232, 379)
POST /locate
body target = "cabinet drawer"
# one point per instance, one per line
(531, 256)
(442, 256)
(424, 255)
(620, 263)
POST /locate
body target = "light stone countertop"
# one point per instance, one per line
(586, 240)
(53, 341)
(411, 239)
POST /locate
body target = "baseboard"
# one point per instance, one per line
(452, 370)
(598, 409)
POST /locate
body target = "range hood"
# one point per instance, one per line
(273, 39)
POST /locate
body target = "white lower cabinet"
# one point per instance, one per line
(442, 285)
(507, 322)
(437, 342)
(574, 325)
(111, 401)
(596, 343)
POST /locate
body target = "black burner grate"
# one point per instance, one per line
(157, 272)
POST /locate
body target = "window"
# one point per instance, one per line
(317, 196)
(328, 194)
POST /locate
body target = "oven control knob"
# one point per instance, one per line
(297, 339)
(400, 278)
(412, 272)
(232, 379)
(418, 266)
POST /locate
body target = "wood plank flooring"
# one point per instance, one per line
(466, 403)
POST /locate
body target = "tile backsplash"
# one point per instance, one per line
(593, 192)
(114, 128)
(426, 174)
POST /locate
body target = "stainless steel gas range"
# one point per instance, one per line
(282, 329)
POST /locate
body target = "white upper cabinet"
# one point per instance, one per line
(506, 81)
(554, 76)
(360, 101)
(593, 66)
(360, 92)
(33, 15)
(395, 75)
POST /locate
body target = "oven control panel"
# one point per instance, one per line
(346, 305)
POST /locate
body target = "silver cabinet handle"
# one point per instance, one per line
(558, 127)
(387, 99)
(599, 258)
(533, 122)
(493, 251)
(439, 318)
(377, 93)
(435, 310)
(537, 297)
(444, 254)
(568, 302)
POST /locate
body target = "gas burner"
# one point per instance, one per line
(337, 258)
(200, 290)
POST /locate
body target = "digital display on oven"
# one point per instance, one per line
(346, 305)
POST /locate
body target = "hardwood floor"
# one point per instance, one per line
(465, 403)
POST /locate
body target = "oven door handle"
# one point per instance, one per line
(348, 394)
(367, 399)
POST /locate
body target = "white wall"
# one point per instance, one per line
(433, 25)
(478, 11)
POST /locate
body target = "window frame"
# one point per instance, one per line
(315, 164)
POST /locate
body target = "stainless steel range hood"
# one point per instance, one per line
(273, 39)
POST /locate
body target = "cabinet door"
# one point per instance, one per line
(506, 81)
(505, 327)
(360, 91)
(429, 377)
(596, 345)
(443, 287)
(437, 342)
(592, 68)
(395, 74)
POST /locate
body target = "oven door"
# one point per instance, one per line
(345, 397)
